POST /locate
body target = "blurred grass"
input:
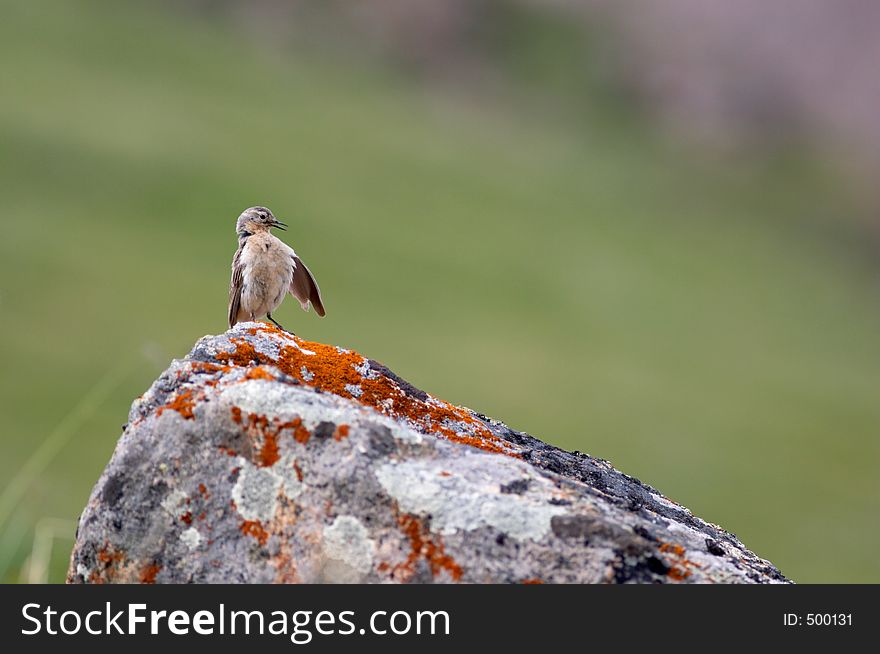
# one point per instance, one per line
(711, 328)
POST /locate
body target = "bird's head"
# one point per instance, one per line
(256, 219)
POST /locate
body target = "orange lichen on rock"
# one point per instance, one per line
(148, 575)
(108, 556)
(258, 372)
(183, 403)
(301, 434)
(681, 567)
(674, 548)
(255, 529)
(348, 374)
(259, 426)
(340, 432)
(258, 421)
(424, 546)
(245, 354)
(109, 563)
(531, 581)
(269, 453)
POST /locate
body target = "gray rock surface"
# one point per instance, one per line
(262, 457)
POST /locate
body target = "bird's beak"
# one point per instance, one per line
(279, 224)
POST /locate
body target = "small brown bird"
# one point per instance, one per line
(265, 269)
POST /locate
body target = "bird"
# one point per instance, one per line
(265, 269)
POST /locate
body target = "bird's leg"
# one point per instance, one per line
(269, 316)
(272, 320)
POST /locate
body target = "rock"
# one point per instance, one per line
(262, 457)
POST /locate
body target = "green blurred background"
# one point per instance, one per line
(499, 215)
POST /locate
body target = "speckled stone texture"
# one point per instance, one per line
(262, 457)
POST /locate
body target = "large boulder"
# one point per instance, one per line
(262, 457)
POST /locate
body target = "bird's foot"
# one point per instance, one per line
(272, 320)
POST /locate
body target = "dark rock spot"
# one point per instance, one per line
(381, 441)
(517, 487)
(640, 570)
(657, 566)
(714, 547)
(572, 526)
(644, 533)
(325, 430)
(113, 490)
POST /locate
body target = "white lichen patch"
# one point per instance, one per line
(354, 390)
(256, 491)
(348, 541)
(291, 486)
(465, 494)
(364, 370)
(306, 374)
(172, 502)
(262, 397)
(191, 538)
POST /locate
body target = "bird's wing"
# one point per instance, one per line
(235, 286)
(304, 287)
